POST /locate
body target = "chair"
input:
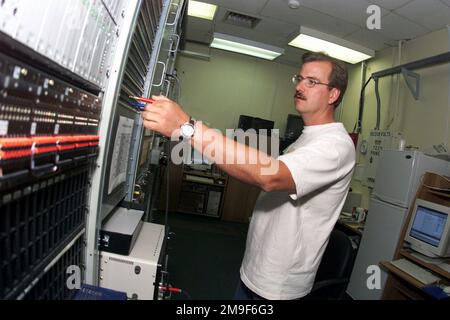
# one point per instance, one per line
(334, 270)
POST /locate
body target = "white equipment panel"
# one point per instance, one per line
(137, 273)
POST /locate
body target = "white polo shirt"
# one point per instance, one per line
(288, 234)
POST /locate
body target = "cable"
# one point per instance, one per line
(358, 126)
(177, 80)
(377, 94)
(166, 215)
(166, 218)
(397, 89)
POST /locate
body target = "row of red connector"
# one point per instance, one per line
(15, 148)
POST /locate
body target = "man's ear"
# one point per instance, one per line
(334, 95)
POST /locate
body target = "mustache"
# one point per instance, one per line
(300, 95)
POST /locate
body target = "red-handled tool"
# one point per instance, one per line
(140, 99)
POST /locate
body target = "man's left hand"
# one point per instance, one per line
(164, 116)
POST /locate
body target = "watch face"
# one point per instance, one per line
(187, 130)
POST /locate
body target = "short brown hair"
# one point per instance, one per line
(339, 74)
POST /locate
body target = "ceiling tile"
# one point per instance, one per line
(396, 27)
(390, 4)
(431, 14)
(278, 10)
(370, 39)
(250, 34)
(341, 18)
(353, 11)
(276, 27)
(247, 6)
(266, 25)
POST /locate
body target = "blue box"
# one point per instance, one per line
(88, 292)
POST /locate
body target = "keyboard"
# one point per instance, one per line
(419, 273)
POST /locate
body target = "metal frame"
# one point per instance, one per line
(110, 100)
(405, 69)
(162, 40)
(133, 168)
(412, 80)
(163, 45)
(136, 141)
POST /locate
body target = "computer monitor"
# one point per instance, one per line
(294, 127)
(249, 122)
(429, 229)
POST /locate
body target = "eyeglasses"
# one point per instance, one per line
(309, 82)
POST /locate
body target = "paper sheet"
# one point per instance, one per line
(121, 152)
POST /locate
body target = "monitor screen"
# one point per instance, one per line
(259, 124)
(428, 231)
(245, 122)
(249, 122)
(294, 126)
(428, 225)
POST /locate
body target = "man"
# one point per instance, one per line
(301, 201)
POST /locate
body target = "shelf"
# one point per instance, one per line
(441, 194)
(355, 227)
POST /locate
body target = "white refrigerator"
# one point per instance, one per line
(398, 177)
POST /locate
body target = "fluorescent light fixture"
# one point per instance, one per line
(201, 10)
(341, 49)
(244, 46)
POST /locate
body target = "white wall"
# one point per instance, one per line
(218, 90)
(423, 123)
(228, 85)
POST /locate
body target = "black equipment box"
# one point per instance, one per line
(121, 230)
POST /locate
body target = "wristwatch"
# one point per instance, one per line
(188, 129)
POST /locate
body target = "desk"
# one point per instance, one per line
(402, 285)
(351, 225)
(399, 285)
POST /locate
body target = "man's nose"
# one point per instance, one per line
(300, 87)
